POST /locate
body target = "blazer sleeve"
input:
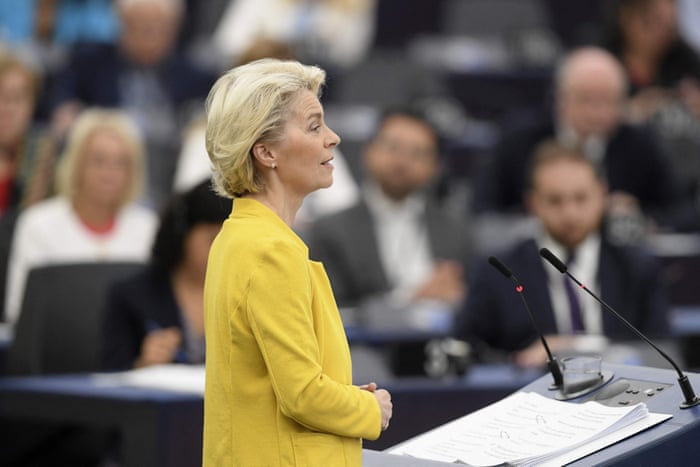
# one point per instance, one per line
(120, 347)
(279, 308)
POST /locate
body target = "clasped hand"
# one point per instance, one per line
(383, 399)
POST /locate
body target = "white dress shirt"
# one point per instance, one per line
(404, 247)
(585, 269)
(50, 232)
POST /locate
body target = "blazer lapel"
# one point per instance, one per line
(536, 285)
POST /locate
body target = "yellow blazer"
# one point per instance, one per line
(278, 372)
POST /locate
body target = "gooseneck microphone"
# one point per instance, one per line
(691, 399)
(552, 362)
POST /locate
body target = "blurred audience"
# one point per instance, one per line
(396, 257)
(146, 75)
(27, 150)
(396, 244)
(93, 217)
(156, 316)
(568, 197)
(333, 33)
(44, 30)
(589, 101)
(659, 63)
(664, 75)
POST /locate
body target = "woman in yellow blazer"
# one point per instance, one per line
(278, 372)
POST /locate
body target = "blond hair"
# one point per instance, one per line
(249, 104)
(87, 123)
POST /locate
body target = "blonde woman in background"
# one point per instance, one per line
(93, 217)
(278, 371)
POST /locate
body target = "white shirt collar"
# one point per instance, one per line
(402, 238)
(585, 269)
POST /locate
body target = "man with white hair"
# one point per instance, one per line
(590, 92)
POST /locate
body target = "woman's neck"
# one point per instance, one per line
(284, 206)
(94, 215)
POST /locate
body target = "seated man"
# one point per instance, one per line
(589, 101)
(396, 253)
(568, 197)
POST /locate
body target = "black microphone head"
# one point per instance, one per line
(493, 261)
(553, 260)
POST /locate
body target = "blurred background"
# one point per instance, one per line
(102, 159)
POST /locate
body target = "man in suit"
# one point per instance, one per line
(144, 74)
(397, 238)
(396, 249)
(568, 196)
(590, 98)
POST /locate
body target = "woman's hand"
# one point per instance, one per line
(384, 401)
(159, 347)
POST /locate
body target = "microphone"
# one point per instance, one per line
(552, 362)
(691, 399)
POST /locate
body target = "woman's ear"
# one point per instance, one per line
(264, 156)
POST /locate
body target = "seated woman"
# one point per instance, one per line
(93, 217)
(27, 151)
(157, 316)
(663, 71)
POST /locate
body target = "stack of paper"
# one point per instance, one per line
(528, 429)
(173, 377)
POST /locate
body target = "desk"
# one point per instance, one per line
(163, 428)
(673, 442)
(5, 341)
(158, 428)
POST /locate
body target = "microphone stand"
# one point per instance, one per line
(552, 363)
(691, 400)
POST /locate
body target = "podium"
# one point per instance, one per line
(163, 428)
(673, 442)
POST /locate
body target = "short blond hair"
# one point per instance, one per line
(249, 104)
(88, 122)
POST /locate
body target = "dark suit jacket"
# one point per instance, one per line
(347, 246)
(634, 163)
(494, 313)
(135, 306)
(93, 72)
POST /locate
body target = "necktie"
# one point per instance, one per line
(574, 304)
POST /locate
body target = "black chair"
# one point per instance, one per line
(58, 330)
